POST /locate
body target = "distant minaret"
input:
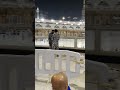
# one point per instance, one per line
(83, 11)
(38, 16)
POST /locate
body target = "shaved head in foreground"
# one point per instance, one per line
(59, 81)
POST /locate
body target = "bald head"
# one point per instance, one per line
(59, 81)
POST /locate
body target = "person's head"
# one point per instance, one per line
(56, 31)
(59, 81)
(52, 31)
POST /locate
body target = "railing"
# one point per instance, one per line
(53, 61)
(63, 43)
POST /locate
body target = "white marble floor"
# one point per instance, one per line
(42, 82)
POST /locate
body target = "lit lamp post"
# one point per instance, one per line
(63, 18)
(52, 20)
(42, 19)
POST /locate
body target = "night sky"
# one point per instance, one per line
(58, 8)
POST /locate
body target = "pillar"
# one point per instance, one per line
(1, 77)
(75, 42)
(5, 77)
(97, 40)
(13, 79)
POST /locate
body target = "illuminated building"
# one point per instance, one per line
(72, 34)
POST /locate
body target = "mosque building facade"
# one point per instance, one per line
(16, 22)
(72, 34)
(102, 26)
